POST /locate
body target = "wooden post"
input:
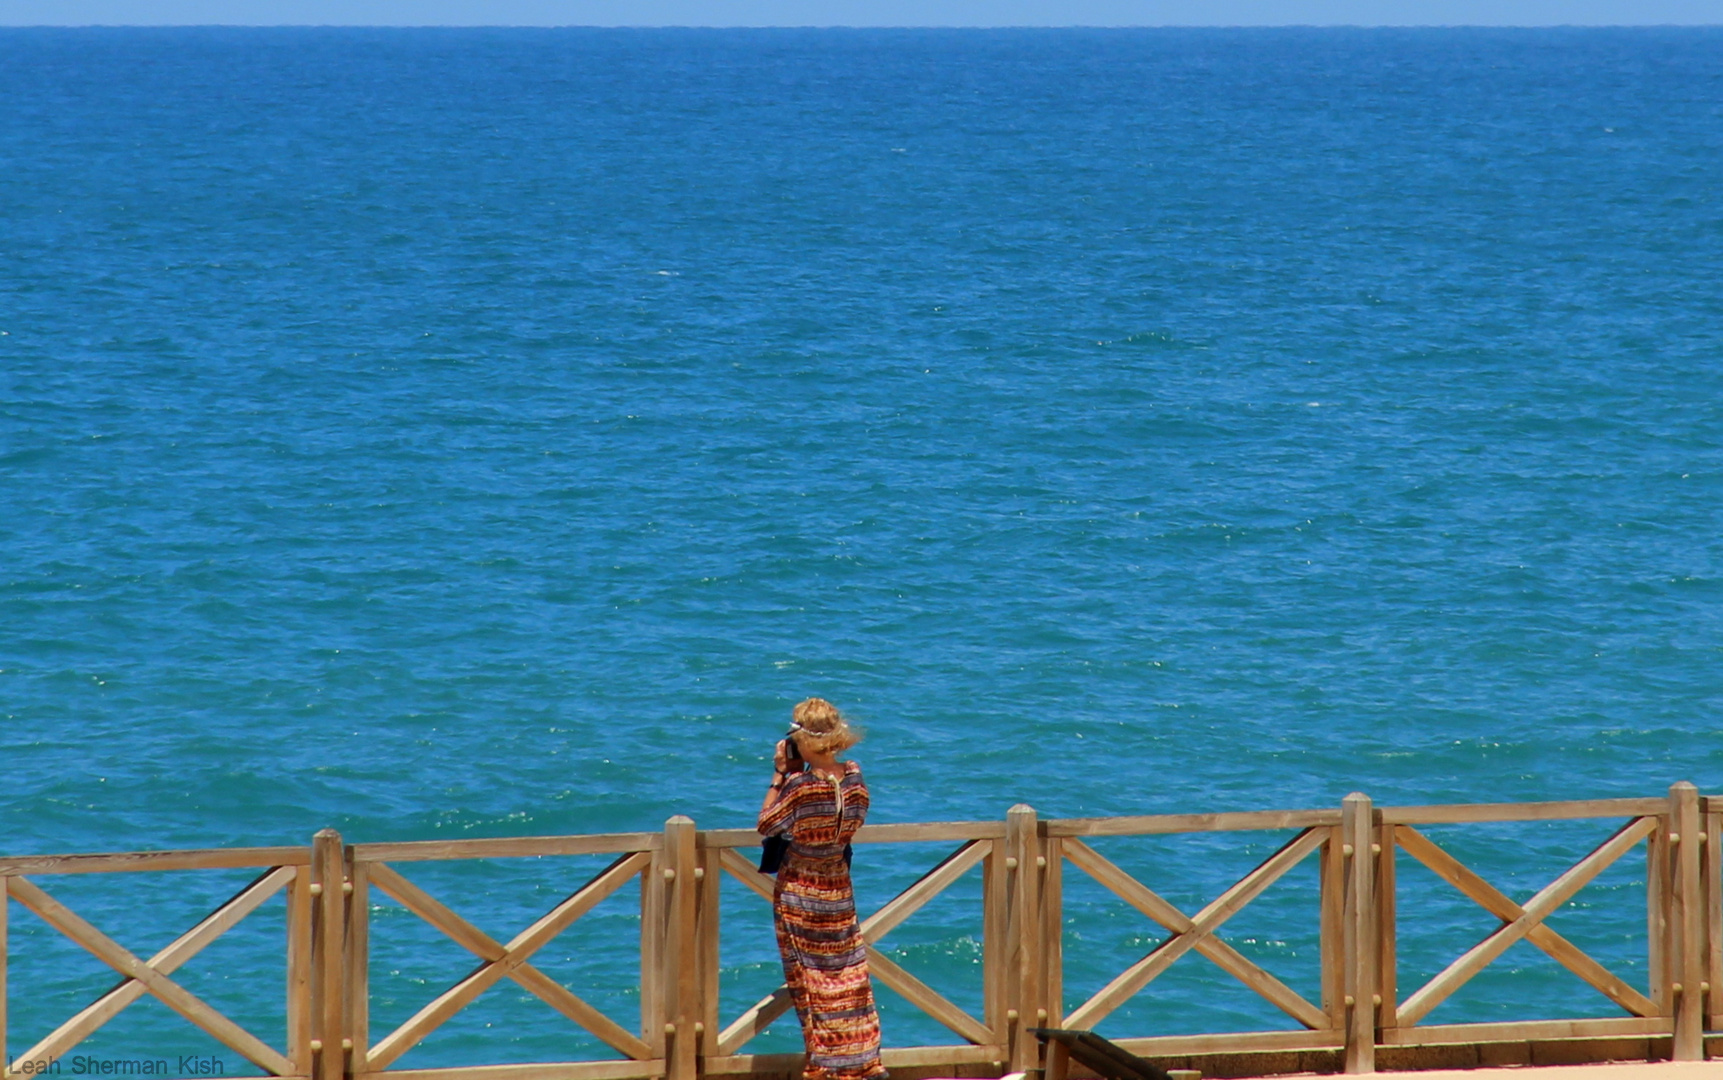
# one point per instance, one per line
(359, 965)
(1387, 973)
(1023, 863)
(1332, 927)
(1714, 916)
(1687, 918)
(5, 904)
(681, 983)
(711, 875)
(1657, 916)
(652, 954)
(328, 951)
(1053, 932)
(1361, 959)
(299, 994)
(1058, 1062)
(994, 995)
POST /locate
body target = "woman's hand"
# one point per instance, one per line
(781, 763)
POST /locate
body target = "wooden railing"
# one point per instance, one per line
(1361, 1012)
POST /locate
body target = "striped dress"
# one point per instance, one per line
(819, 938)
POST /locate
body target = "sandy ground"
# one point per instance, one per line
(1633, 1070)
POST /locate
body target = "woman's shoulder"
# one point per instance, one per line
(852, 768)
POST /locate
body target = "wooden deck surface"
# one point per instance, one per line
(1627, 1070)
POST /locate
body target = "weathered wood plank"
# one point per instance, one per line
(5, 960)
(748, 874)
(1204, 923)
(1058, 1065)
(299, 970)
(170, 993)
(1240, 1042)
(1230, 960)
(894, 1057)
(427, 907)
(711, 839)
(1657, 931)
(906, 903)
(252, 858)
(910, 1057)
(652, 954)
(925, 998)
(1053, 933)
(433, 1014)
(1153, 824)
(505, 960)
(328, 870)
(930, 831)
(995, 978)
(886, 833)
(566, 1002)
(565, 1070)
(681, 959)
(1713, 873)
(578, 903)
(1492, 900)
(1468, 813)
(1387, 927)
(707, 932)
(1549, 899)
(1357, 825)
(63, 1038)
(1023, 844)
(1331, 928)
(1526, 1031)
(358, 967)
(1688, 916)
(756, 1019)
(509, 847)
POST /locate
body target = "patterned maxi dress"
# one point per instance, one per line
(819, 938)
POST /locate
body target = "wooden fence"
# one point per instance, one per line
(1363, 1015)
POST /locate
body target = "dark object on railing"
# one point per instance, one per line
(1105, 1058)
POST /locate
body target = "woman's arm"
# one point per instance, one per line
(780, 778)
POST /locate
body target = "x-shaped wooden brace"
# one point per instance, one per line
(880, 923)
(150, 976)
(1523, 922)
(1194, 932)
(510, 960)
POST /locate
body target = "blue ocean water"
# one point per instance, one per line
(479, 433)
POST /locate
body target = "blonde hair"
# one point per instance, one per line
(822, 729)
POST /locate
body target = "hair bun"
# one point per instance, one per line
(823, 728)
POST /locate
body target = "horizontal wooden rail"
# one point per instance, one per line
(1480, 813)
(1162, 824)
(1613, 1027)
(917, 832)
(330, 889)
(514, 847)
(207, 859)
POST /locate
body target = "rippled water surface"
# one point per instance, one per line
(453, 434)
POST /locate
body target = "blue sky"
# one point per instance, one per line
(861, 12)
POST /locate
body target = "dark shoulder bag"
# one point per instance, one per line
(772, 850)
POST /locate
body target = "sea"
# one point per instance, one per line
(436, 434)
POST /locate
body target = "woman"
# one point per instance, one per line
(818, 808)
